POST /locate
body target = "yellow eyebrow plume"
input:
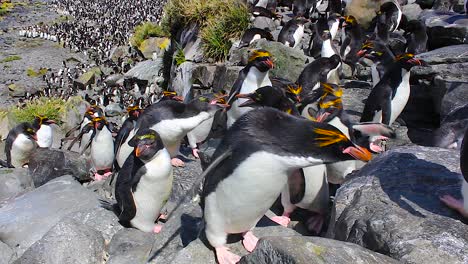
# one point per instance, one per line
(328, 137)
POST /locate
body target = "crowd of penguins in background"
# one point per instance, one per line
(276, 137)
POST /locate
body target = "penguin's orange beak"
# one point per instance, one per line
(34, 137)
(139, 149)
(359, 153)
(361, 53)
(415, 61)
(178, 98)
(269, 63)
(322, 116)
(50, 122)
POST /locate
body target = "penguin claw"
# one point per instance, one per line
(224, 256)
(315, 223)
(195, 153)
(176, 162)
(250, 241)
(454, 204)
(281, 220)
(157, 229)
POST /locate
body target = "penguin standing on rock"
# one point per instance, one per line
(291, 34)
(20, 144)
(416, 37)
(255, 159)
(381, 56)
(354, 38)
(125, 132)
(102, 148)
(252, 34)
(461, 205)
(144, 183)
(45, 133)
(251, 77)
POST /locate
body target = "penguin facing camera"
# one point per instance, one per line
(44, 131)
(19, 145)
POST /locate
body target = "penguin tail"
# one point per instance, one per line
(113, 207)
(5, 164)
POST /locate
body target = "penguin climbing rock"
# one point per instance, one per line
(20, 144)
(144, 183)
(381, 56)
(271, 96)
(102, 148)
(392, 13)
(291, 34)
(389, 97)
(260, 149)
(354, 38)
(125, 131)
(461, 205)
(201, 132)
(44, 131)
(251, 77)
(416, 37)
(252, 34)
(172, 120)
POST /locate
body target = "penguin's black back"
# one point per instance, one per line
(168, 109)
(464, 156)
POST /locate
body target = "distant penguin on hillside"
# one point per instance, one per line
(291, 34)
(252, 34)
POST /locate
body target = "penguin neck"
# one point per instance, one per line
(255, 79)
(327, 49)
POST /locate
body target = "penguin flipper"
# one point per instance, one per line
(123, 192)
(375, 129)
(296, 185)
(236, 87)
(8, 146)
(387, 109)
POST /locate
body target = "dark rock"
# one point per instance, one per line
(444, 29)
(99, 219)
(225, 77)
(302, 250)
(130, 246)
(264, 23)
(207, 150)
(203, 75)
(397, 43)
(392, 206)
(114, 80)
(113, 109)
(118, 52)
(48, 164)
(66, 243)
(450, 54)
(199, 252)
(27, 218)
(14, 182)
(354, 101)
(443, 5)
(7, 255)
(192, 51)
(182, 80)
(184, 180)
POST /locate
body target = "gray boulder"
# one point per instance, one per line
(130, 246)
(225, 77)
(14, 182)
(311, 250)
(113, 109)
(48, 164)
(199, 252)
(392, 206)
(444, 55)
(145, 71)
(203, 75)
(411, 11)
(26, 219)
(264, 23)
(444, 28)
(181, 80)
(68, 242)
(7, 254)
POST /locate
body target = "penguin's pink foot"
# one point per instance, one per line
(455, 204)
(107, 174)
(98, 177)
(176, 162)
(281, 220)
(250, 241)
(157, 229)
(224, 256)
(315, 223)
(195, 153)
(162, 217)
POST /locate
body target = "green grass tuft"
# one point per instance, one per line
(145, 31)
(219, 20)
(11, 58)
(32, 73)
(179, 56)
(53, 108)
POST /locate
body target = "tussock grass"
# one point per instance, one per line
(6, 7)
(32, 73)
(219, 20)
(179, 56)
(11, 58)
(145, 31)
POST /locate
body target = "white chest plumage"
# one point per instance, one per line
(152, 191)
(259, 179)
(298, 34)
(253, 80)
(45, 136)
(125, 149)
(401, 97)
(102, 149)
(200, 133)
(21, 150)
(334, 29)
(465, 194)
(327, 49)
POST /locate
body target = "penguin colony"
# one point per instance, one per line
(278, 137)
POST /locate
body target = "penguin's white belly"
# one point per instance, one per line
(298, 34)
(102, 150)
(152, 191)
(21, 150)
(401, 97)
(255, 37)
(336, 172)
(200, 133)
(316, 189)
(334, 29)
(327, 50)
(465, 194)
(125, 150)
(45, 136)
(241, 199)
(85, 139)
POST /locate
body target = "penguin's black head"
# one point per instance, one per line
(261, 59)
(206, 104)
(334, 60)
(373, 50)
(99, 122)
(263, 96)
(146, 143)
(294, 92)
(407, 61)
(349, 21)
(28, 130)
(134, 111)
(332, 142)
(40, 120)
